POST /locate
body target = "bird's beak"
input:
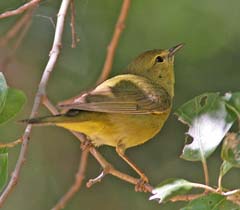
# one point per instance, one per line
(173, 50)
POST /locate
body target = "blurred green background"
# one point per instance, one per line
(210, 61)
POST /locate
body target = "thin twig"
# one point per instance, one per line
(19, 30)
(114, 42)
(11, 144)
(20, 9)
(50, 19)
(188, 197)
(47, 103)
(73, 23)
(37, 101)
(78, 182)
(16, 28)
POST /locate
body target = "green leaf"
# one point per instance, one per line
(3, 91)
(170, 188)
(225, 167)
(14, 102)
(208, 120)
(211, 202)
(3, 167)
(231, 149)
(234, 102)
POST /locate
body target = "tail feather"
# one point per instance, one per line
(47, 120)
(53, 119)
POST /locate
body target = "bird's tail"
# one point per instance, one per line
(52, 119)
(46, 120)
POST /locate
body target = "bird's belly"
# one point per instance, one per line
(138, 129)
(112, 129)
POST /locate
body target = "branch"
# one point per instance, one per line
(114, 42)
(78, 182)
(73, 28)
(16, 28)
(54, 53)
(19, 30)
(11, 144)
(20, 9)
(107, 167)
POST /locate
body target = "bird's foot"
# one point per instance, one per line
(86, 144)
(141, 185)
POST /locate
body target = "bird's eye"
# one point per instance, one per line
(159, 59)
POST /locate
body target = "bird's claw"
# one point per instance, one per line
(141, 185)
(86, 144)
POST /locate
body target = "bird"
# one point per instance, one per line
(126, 110)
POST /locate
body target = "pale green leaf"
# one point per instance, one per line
(208, 120)
(3, 91)
(170, 188)
(14, 103)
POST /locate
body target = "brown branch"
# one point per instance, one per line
(41, 91)
(114, 42)
(186, 197)
(19, 30)
(73, 27)
(20, 9)
(78, 182)
(8, 57)
(47, 103)
(107, 167)
(16, 28)
(11, 144)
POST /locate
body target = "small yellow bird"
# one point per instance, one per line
(126, 110)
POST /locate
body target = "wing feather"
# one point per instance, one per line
(127, 94)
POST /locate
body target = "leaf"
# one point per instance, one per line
(170, 188)
(231, 149)
(3, 91)
(3, 168)
(211, 202)
(234, 102)
(14, 102)
(225, 167)
(208, 120)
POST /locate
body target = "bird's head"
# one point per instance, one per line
(155, 64)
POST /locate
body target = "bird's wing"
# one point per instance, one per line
(128, 94)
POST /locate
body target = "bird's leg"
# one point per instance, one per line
(86, 144)
(120, 149)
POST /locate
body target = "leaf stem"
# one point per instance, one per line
(203, 186)
(205, 170)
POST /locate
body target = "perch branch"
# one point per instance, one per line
(37, 101)
(20, 9)
(114, 42)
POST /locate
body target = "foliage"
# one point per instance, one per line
(209, 118)
(3, 167)
(11, 102)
